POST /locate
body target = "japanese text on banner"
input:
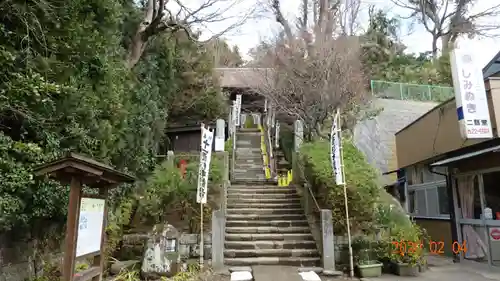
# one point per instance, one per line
(470, 95)
(335, 152)
(205, 157)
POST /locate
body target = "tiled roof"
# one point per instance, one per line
(243, 77)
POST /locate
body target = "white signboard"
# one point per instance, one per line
(207, 138)
(90, 226)
(238, 110)
(219, 143)
(470, 96)
(277, 136)
(335, 144)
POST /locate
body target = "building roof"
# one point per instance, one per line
(243, 77)
(493, 67)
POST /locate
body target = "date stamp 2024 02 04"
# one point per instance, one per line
(434, 247)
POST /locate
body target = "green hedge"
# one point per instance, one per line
(166, 190)
(361, 182)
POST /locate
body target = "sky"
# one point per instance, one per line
(265, 27)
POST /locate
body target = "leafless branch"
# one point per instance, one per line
(447, 20)
(159, 18)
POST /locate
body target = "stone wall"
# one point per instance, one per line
(20, 261)
(376, 137)
(189, 246)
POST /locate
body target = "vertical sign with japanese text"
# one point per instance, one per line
(207, 138)
(470, 96)
(335, 151)
(238, 110)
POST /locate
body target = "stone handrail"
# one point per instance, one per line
(233, 153)
(320, 220)
(219, 218)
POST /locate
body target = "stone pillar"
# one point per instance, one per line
(298, 136)
(230, 120)
(327, 240)
(218, 224)
(220, 127)
(170, 157)
(243, 120)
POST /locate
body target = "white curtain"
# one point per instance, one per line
(475, 246)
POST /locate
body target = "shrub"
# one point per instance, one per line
(249, 122)
(167, 191)
(361, 183)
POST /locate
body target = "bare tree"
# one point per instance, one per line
(349, 14)
(317, 72)
(158, 18)
(447, 20)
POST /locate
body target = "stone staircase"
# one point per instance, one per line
(265, 224)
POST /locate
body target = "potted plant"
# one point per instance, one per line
(367, 266)
(422, 264)
(407, 259)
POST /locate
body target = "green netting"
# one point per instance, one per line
(404, 91)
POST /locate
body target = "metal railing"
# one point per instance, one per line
(406, 91)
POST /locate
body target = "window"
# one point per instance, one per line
(411, 202)
(444, 206)
(421, 203)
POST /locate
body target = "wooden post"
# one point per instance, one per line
(78, 170)
(100, 258)
(72, 228)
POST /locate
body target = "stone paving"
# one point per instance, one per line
(441, 269)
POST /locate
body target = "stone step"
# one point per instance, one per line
(276, 190)
(279, 211)
(269, 217)
(248, 129)
(249, 161)
(231, 195)
(269, 237)
(233, 205)
(249, 176)
(246, 165)
(251, 149)
(260, 223)
(251, 200)
(265, 185)
(269, 244)
(251, 169)
(268, 229)
(243, 134)
(246, 157)
(248, 253)
(251, 181)
(290, 261)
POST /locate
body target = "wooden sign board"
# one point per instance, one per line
(90, 226)
(86, 220)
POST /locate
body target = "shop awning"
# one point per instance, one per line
(465, 156)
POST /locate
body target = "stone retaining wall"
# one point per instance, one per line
(189, 246)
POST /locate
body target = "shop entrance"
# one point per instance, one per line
(477, 200)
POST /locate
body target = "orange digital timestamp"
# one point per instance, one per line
(434, 247)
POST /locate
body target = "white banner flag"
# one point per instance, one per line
(277, 136)
(237, 119)
(207, 138)
(335, 151)
(470, 95)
